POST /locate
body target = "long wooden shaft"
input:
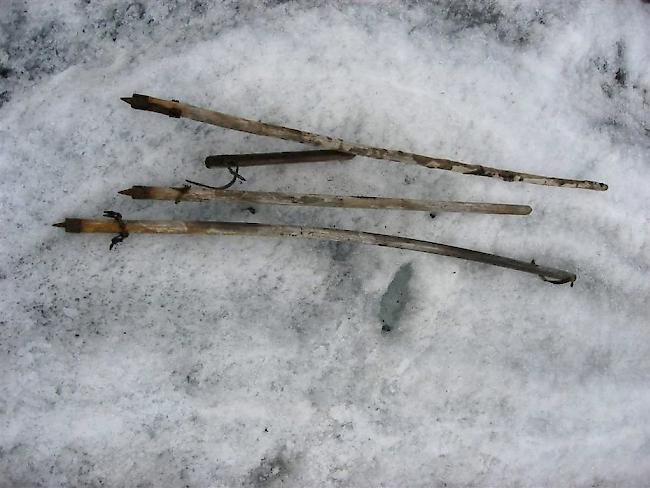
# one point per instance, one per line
(245, 229)
(260, 159)
(272, 198)
(174, 108)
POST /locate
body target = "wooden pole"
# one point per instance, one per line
(125, 227)
(260, 159)
(174, 108)
(188, 194)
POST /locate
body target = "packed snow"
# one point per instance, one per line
(233, 361)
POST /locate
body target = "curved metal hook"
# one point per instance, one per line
(559, 281)
(568, 279)
(235, 176)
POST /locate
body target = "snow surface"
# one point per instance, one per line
(206, 361)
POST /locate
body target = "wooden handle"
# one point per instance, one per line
(261, 159)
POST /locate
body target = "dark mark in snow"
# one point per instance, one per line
(340, 251)
(269, 470)
(394, 300)
(5, 96)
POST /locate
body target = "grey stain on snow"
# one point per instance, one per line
(625, 89)
(395, 298)
(597, 363)
(271, 471)
(509, 26)
(614, 70)
(187, 379)
(341, 251)
(40, 42)
(5, 96)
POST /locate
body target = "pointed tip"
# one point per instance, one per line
(128, 100)
(136, 192)
(59, 224)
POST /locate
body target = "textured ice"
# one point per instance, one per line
(203, 361)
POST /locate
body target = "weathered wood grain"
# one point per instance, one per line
(174, 108)
(185, 194)
(76, 225)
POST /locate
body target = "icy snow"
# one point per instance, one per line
(206, 361)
